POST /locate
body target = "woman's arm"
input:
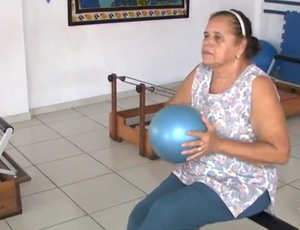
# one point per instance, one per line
(183, 94)
(268, 121)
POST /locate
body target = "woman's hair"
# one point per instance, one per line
(242, 28)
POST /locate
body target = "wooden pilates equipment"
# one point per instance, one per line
(290, 98)
(123, 124)
(289, 93)
(11, 176)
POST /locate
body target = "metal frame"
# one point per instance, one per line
(8, 131)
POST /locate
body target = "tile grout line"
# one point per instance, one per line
(293, 182)
(60, 135)
(114, 206)
(8, 224)
(64, 222)
(294, 187)
(100, 175)
(116, 172)
(63, 136)
(60, 188)
(56, 184)
(57, 187)
(84, 152)
(112, 171)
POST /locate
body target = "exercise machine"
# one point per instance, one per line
(11, 176)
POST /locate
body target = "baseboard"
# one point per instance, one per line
(18, 118)
(92, 100)
(77, 103)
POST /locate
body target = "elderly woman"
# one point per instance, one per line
(231, 169)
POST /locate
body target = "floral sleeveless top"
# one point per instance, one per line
(237, 182)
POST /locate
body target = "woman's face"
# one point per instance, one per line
(220, 45)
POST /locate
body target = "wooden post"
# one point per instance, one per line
(141, 89)
(112, 78)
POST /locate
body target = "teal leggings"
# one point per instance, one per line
(175, 206)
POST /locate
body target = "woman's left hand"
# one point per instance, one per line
(208, 141)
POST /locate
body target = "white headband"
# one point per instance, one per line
(242, 24)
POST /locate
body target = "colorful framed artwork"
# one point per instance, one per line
(84, 12)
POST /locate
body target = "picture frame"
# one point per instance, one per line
(88, 12)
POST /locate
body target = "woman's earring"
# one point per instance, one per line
(237, 56)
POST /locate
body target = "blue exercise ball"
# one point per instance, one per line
(265, 56)
(168, 128)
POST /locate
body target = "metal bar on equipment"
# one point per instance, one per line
(290, 3)
(283, 58)
(275, 12)
(271, 222)
(151, 89)
(8, 130)
(287, 58)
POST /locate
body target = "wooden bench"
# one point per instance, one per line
(290, 100)
(289, 92)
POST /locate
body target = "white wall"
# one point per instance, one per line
(13, 93)
(66, 64)
(70, 63)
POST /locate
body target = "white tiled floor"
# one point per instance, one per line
(83, 180)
